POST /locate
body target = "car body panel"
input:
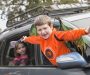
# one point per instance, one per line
(41, 71)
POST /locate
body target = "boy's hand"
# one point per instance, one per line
(87, 30)
(23, 38)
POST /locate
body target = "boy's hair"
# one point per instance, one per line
(42, 19)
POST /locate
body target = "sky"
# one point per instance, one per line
(2, 23)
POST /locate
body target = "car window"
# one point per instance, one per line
(11, 46)
(7, 55)
(11, 53)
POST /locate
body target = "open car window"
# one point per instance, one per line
(11, 54)
(36, 56)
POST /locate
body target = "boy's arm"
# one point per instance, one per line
(71, 35)
(31, 39)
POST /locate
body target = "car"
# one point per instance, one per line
(36, 66)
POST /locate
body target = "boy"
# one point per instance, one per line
(50, 47)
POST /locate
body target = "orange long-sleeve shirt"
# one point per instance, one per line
(52, 48)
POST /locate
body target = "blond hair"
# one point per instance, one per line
(41, 20)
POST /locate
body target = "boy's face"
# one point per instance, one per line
(44, 30)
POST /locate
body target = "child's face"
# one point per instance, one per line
(44, 30)
(21, 49)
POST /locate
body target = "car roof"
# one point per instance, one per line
(13, 31)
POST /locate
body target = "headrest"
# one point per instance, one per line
(55, 22)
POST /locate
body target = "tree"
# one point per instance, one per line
(13, 8)
(68, 1)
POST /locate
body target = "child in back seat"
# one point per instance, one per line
(21, 54)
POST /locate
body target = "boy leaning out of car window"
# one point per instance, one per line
(50, 47)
